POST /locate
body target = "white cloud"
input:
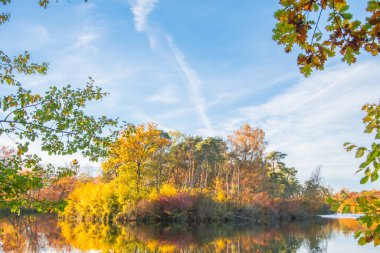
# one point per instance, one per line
(165, 96)
(312, 120)
(86, 41)
(141, 10)
(40, 32)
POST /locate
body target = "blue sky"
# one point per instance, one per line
(202, 67)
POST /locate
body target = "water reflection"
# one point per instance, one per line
(31, 233)
(38, 233)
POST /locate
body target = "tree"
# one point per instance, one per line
(210, 155)
(274, 158)
(130, 155)
(56, 118)
(247, 154)
(299, 24)
(368, 204)
(315, 192)
(283, 179)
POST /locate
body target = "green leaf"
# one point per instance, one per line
(374, 176)
(364, 165)
(364, 180)
(351, 147)
(360, 152)
(357, 234)
(362, 241)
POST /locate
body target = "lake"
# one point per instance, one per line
(44, 233)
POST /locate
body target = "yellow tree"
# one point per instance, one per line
(130, 155)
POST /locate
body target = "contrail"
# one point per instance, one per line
(194, 83)
(141, 10)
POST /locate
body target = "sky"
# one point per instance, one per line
(202, 67)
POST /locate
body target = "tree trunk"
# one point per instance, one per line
(138, 177)
(238, 184)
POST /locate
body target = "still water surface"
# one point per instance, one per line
(44, 233)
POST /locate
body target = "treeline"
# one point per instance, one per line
(152, 175)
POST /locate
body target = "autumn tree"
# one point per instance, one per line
(247, 158)
(299, 23)
(130, 155)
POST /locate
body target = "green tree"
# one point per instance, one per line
(283, 180)
(210, 155)
(57, 119)
(299, 23)
(274, 159)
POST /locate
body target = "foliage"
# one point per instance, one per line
(18, 176)
(299, 24)
(246, 155)
(371, 165)
(282, 179)
(92, 201)
(150, 175)
(129, 158)
(369, 203)
(57, 119)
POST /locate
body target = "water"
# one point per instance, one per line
(44, 233)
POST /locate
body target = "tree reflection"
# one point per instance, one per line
(205, 238)
(31, 233)
(38, 233)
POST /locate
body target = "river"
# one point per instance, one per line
(44, 233)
